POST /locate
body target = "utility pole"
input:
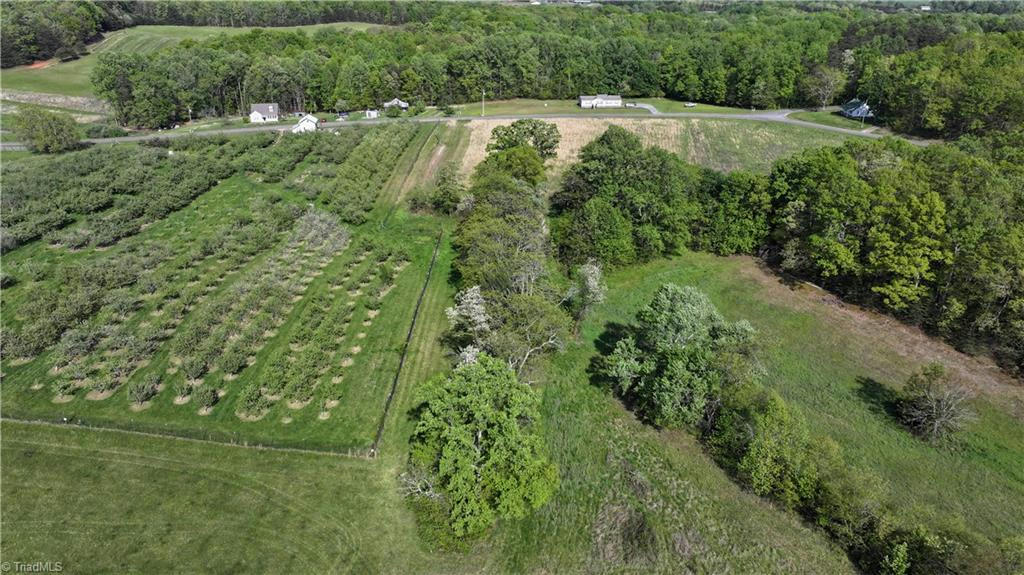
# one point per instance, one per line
(482, 93)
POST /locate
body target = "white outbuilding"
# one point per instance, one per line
(308, 123)
(601, 101)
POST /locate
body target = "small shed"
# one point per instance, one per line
(856, 109)
(396, 102)
(262, 113)
(601, 101)
(308, 123)
(372, 114)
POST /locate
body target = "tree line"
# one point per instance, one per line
(764, 57)
(933, 235)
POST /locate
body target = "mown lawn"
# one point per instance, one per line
(72, 78)
(830, 119)
(673, 106)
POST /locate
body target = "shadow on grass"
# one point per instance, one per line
(880, 399)
(605, 344)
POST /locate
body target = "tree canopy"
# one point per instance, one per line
(45, 131)
(475, 430)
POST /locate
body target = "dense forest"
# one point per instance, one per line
(762, 56)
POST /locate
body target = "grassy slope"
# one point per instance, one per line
(729, 145)
(72, 78)
(832, 375)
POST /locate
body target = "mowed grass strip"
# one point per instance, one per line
(112, 502)
(831, 119)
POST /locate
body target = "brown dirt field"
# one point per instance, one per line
(576, 133)
(876, 332)
(39, 64)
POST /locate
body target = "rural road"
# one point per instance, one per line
(780, 116)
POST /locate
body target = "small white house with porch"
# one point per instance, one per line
(263, 113)
(308, 123)
(601, 101)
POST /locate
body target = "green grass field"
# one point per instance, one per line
(72, 78)
(830, 119)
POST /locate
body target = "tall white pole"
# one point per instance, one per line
(482, 92)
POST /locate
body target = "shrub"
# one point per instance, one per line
(183, 388)
(934, 407)
(140, 392)
(193, 367)
(45, 131)
(233, 361)
(207, 397)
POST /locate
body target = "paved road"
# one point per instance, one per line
(780, 116)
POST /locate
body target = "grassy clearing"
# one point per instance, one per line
(72, 78)
(830, 119)
(836, 366)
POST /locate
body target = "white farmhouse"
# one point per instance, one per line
(262, 113)
(601, 101)
(308, 123)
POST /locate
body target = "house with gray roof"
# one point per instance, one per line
(262, 113)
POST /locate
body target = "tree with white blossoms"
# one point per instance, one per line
(468, 354)
(588, 288)
(468, 321)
